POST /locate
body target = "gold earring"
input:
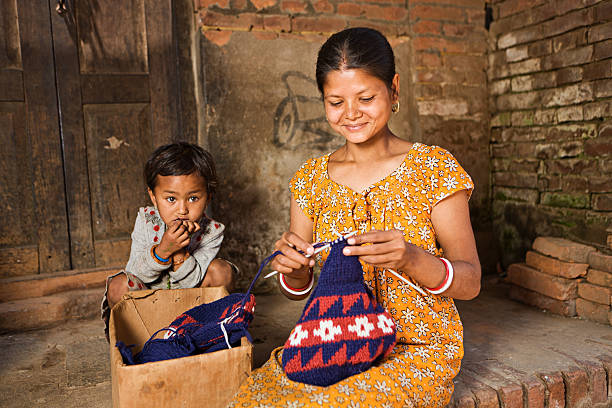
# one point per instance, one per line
(395, 107)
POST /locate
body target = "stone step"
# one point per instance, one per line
(44, 311)
(33, 286)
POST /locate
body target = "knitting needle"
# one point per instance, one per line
(317, 250)
(407, 282)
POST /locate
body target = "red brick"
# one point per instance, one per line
(594, 293)
(510, 7)
(462, 396)
(600, 32)
(526, 66)
(602, 50)
(428, 91)
(350, 9)
(317, 24)
(592, 311)
(529, 297)
(440, 13)
(568, 58)
(438, 44)
(219, 38)
(569, 114)
(463, 30)
(555, 267)
(323, 6)
(555, 397)
(602, 202)
(517, 53)
(569, 75)
(606, 362)
(535, 392)
(244, 20)
(576, 387)
(598, 260)
(597, 381)
(527, 100)
(567, 22)
(515, 179)
(262, 4)
(573, 39)
(373, 12)
(563, 6)
(484, 395)
(207, 3)
(238, 4)
(603, 11)
(540, 48)
(476, 17)
(520, 36)
(541, 13)
(603, 88)
(293, 6)
(597, 110)
(428, 59)
(478, 4)
(551, 286)
(427, 27)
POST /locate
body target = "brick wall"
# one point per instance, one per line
(251, 49)
(550, 93)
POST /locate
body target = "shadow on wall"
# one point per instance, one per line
(298, 121)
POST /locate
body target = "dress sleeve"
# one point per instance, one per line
(301, 187)
(445, 175)
(192, 272)
(141, 264)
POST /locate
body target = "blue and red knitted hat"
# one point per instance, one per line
(342, 331)
(203, 329)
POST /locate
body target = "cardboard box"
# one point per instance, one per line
(209, 380)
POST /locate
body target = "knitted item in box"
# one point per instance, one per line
(203, 329)
(342, 330)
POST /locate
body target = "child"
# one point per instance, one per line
(174, 244)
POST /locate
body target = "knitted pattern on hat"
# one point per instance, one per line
(342, 331)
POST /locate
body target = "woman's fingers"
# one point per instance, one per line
(295, 241)
(374, 236)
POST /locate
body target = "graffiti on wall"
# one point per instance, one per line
(300, 118)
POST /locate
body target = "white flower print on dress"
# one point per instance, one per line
(450, 164)
(382, 387)
(345, 389)
(431, 162)
(421, 328)
(300, 184)
(450, 182)
(320, 398)
(424, 232)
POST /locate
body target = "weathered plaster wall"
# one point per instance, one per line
(550, 72)
(264, 116)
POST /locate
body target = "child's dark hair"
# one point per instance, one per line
(181, 159)
(357, 48)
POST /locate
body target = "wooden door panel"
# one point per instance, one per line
(112, 36)
(73, 140)
(42, 123)
(11, 85)
(10, 50)
(114, 88)
(18, 239)
(118, 144)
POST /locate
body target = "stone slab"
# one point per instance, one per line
(600, 261)
(601, 278)
(594, 293)
(592, 311)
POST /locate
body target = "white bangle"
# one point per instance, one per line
(296, 292)
(450, 274)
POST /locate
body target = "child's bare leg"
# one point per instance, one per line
(219, 273)
(116, 289)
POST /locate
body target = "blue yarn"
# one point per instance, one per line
(199, 330)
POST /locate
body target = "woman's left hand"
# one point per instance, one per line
(386, 249)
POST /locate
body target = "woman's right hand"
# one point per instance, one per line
(291, 262)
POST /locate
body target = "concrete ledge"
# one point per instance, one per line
(32, 286)
(45, 311)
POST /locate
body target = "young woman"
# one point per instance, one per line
(409, 202)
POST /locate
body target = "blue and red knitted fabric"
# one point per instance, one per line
(342, 331)
(203, 329)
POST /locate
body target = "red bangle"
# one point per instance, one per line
(295, 291)
(448, 280)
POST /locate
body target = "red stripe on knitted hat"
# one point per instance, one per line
(295, 364)
(362, 355)
(316, 361)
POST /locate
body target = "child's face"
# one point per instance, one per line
(180, 197)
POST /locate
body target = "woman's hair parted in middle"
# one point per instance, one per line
(356, 48)
(181, 159)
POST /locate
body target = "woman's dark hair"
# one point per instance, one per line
(356, 48)
(181, 159)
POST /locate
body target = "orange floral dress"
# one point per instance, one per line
(429, 349)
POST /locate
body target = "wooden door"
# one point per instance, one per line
(85, 94)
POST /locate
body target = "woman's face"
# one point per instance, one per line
(357, 104)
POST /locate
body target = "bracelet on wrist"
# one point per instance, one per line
(448, 280)
(294, 291)
(158, 258)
